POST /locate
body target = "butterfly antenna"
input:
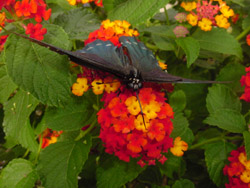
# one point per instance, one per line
(137, 96)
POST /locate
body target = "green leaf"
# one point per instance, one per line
(232, 72)
(136, 11)
(72, 116)
(151, 175)
(246, 22)
(16, 119)
(60, 163)
(246, 136)
(183, 183)
(181, 128)
(177, 100)
(113, 172)
(164, 43)
(191, 48)
(78, 23)
(227, 119)
(221, 97)
(19, 173)
(108, 5)
(7, 86)
(173, 165)
(218, 40)
(239, 2)
(62, 3)
(36, 69)
(161, 30)
(215, 156)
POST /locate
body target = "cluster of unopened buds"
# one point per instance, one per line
(75, 2)
(245, 81)
(23, 10)
(131, 126)
(238, 170)
(207, 13)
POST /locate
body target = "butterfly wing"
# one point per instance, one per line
(91, 60)
(144, 60)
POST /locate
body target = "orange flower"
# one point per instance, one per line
(179, 147)
(248, 39)
(80, 87)
(25, 8)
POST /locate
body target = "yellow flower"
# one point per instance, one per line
(111, 85)
(133, 105)
(80, 86)
(125, 24)
(118, 30)
(192, 19)
(97, 87)
(179, 147)
(226, 11)
(245, 176)
(72, 2)
(162, 65)
(243, 160)
(188, 6)
(205, 24)
(222, 21)
(151, 109)
(139, 124)
(85, 1)
(107, 23)
(2, 17)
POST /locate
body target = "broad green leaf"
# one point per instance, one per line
(78, 23)
(164, 43)
(221, 97)
(181, 128)
(62, 3)
(16, 119)
(114, 173)
(37, 70)
(161, 30)
(246, 22)
(232, 72)
(137, 11)
(108, 5)
(177, 100)
(183, 183)
(73, 116)
(60, 163)
(218, 40)
(173, 165)
(19, 173)
(239, 2)
(246, 136)
(191, 48)
(227, 119)
(7, 86)
(215, 156)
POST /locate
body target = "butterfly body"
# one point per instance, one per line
(133, 63)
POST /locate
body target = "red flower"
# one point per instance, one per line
(248, 39)
(245, 81)
(36, 31)
(25, 8)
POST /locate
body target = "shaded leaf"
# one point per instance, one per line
(136, 12)
(164, 43)
(114, 173)
(60, 163)
(19, 173)
(62, 3)
(7, 86)
(183, 183)
(177, 100)
(246, 22)
(227, 119)
(36, 69)
(73, 116)
(246, 136)
(191, 48)
(215, 156)
(218, 40)
(16, 119)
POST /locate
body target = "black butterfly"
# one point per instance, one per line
(133, 62)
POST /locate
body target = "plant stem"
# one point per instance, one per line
(151, 46)
(39, 149)
(26, 153)
(243, 33)
(166, 14)
(83, 133)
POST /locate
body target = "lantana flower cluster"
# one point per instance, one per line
(23, 10)
(49, 137)
(238, 170)
(75, 2)
(248, 39)
(245, 81)
(130, 127)
(206, 14)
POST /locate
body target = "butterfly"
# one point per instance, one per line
(133, 62)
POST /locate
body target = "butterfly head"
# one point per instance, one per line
(134, 80)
